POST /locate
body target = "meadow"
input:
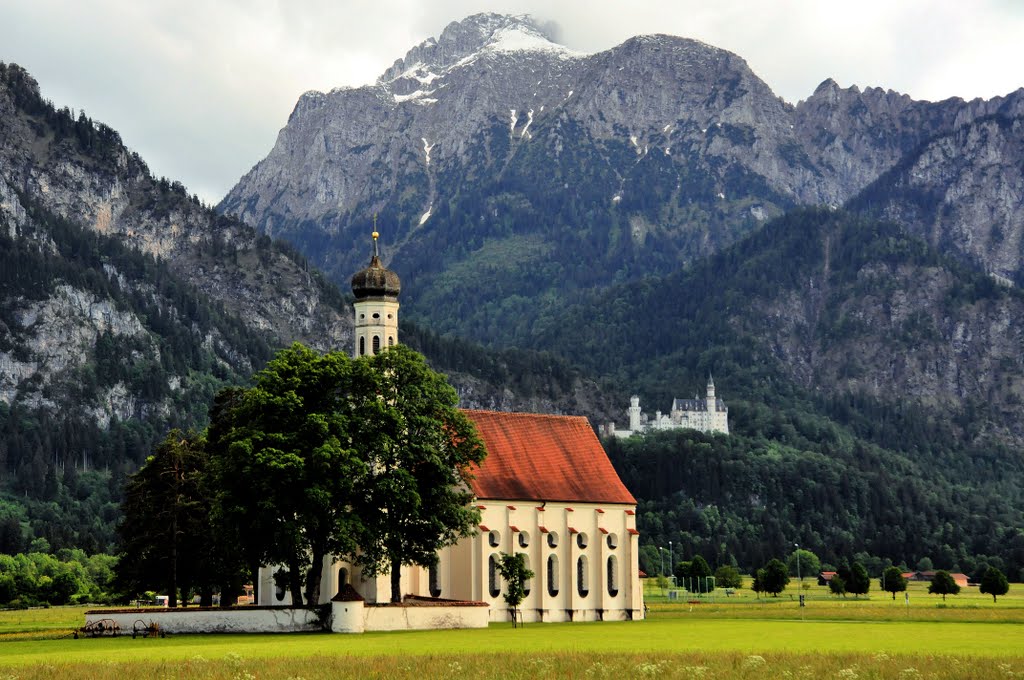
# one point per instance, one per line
(735, 637)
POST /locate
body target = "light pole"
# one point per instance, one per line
(671, 567)
(799, 580)
(661, 555)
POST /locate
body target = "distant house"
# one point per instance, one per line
(825, 577)
(928, 576)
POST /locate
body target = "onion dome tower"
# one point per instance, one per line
(376, 289)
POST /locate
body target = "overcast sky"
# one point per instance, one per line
(200, 88)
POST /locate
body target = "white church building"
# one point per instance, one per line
(546, 489)
(709, 414)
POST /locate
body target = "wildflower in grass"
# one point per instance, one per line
(694, 671)
(1007, 670)
(881, 656)
(598, 670)
(847, 673)
(455, 667)
(648, 670)
(753, 661)
(233, 659)
(909, 673)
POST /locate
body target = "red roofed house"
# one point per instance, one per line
(546, 489)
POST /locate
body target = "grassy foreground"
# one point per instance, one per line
(740, 638)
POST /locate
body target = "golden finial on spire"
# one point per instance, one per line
(376, 235)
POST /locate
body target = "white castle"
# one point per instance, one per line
(707, 415)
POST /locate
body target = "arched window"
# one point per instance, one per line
(613, 541)
(493, 585)
(552, 539)
(494, 539)
(552, 575)
(391, 341)
(582, 540)
(582, 586)
(362, 346)
(342, 579)
(528, 582)
(279, 579)
(524, 539)
(613, 576)
(434, 580)
(376, 344)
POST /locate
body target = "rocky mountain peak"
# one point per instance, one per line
(461, 40)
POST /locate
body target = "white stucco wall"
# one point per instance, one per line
(232, 620)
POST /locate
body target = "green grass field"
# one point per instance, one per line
(739, 638)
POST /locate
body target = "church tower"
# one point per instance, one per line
(376, 289)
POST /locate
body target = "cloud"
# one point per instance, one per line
(200, 89)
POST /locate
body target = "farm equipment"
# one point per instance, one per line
(142, 629)
(100, 628)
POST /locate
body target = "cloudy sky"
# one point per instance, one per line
(200, 88)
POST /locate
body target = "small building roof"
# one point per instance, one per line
(544, 458)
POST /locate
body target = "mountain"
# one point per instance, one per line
(125, 305)
(515, 170)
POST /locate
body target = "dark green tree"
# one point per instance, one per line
(892, 581)
(859, 582)
(289, 455)
(837, 585)
(515, 573)
(776, 577)
(943, 584)
(163, 518)
(994, 583)
(757, 583)
(728, 577)
(697, 576)
(414, 498)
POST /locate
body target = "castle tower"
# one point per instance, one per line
(711, 391)
(376, 289)
(634, 413)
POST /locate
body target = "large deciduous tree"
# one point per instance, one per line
(943, 584)
(414, 498)
(892, 581)
(289, 458)
(994, 583)
(776, 577)
(859, 583)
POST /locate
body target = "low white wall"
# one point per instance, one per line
(233, 620)
(388, 617)
(295, 620)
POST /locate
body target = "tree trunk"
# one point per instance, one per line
(396, 580)
(313, 579)
(295, 582)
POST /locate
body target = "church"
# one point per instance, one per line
(546, 489)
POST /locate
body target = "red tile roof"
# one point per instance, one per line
(544, 458)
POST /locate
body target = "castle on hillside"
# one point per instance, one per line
(707, 415)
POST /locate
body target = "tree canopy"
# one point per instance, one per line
(943, 584)
(994, 583)
(414, 498)
(776, 577)
(515, 573)
(892, 581)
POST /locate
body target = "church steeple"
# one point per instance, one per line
(376, 289)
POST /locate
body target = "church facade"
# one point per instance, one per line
(546, 489)
(709, 414)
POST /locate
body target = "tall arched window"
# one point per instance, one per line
(362, 346)
(494, 586)
(376, 344)
(434, 580)
(279, 589)
(552, 575)
(582, 586)
(391, 341)
(613, 576)
(528, 582)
